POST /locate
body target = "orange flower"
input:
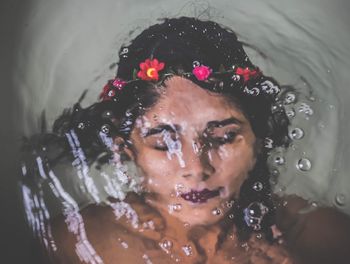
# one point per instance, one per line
(149, 69)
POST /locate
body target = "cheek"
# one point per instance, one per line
(159, 172)
(234, 163)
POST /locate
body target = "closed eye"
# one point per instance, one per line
(228, 137)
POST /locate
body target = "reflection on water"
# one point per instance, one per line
(61, 177)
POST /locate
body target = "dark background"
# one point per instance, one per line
(16, 244)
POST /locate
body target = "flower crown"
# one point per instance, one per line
(150, 70)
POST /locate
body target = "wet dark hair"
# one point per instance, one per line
(179, 42)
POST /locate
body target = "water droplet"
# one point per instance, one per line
(279, 160)
(289, 98)
(340, 199)
(306, 109)
(179, 189)
(268, 143)
(111, 93)
(187, 249)
(107, 114)
(196, 64)
(124, 51)
(254, 214)
(105, 128)
(304, 164)
(167, 244)
(290, 113)
(275, 173)
(216, 211)
(296, 133)
(187, 225)
(258, 186)
(81, 125)
(229, 204)
(174, 208)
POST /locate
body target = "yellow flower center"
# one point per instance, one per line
(150, 72)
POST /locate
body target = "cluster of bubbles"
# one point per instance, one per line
(254, 213)
(295, 133)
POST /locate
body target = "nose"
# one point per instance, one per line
(197, 163)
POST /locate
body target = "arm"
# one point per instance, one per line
(318, 236)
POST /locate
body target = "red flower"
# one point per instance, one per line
(202, 72)
(109, 90)
(247, 73)
(149, 69)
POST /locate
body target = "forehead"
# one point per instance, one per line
(184, 102)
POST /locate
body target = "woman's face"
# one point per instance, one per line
(194, 149)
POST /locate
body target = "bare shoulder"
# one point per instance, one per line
(91, 235)
(315, 235)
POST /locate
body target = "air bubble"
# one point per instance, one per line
(187, 249)
(306, 109)
(275, 173)
(105, 129)
(290, 113)
(124, 51)
(166, 244)
(174, 208)
(296, 133)
(231, 216)
(254, 214)
(236, 77)
(340, 199)
(216, 211)
(229, 204)
(279, 160)
(290, 98)
(304, 164)
(196, 64)
(81, 125)
(179, 189)
(107, 114)
(258, 186)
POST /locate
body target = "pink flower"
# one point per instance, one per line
(119, 83)
(202, 72)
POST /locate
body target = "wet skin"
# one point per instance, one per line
(196, 144)
(198, 140)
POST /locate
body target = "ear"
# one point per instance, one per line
(124, 149)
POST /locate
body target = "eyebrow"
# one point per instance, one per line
(175, 128)
(160, 128)
(222, 123)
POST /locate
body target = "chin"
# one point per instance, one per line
(200, 217)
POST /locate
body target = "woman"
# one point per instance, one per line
(198, 120)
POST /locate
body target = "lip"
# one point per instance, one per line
(201, 196)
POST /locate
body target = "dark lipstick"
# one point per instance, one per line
(199, 196)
